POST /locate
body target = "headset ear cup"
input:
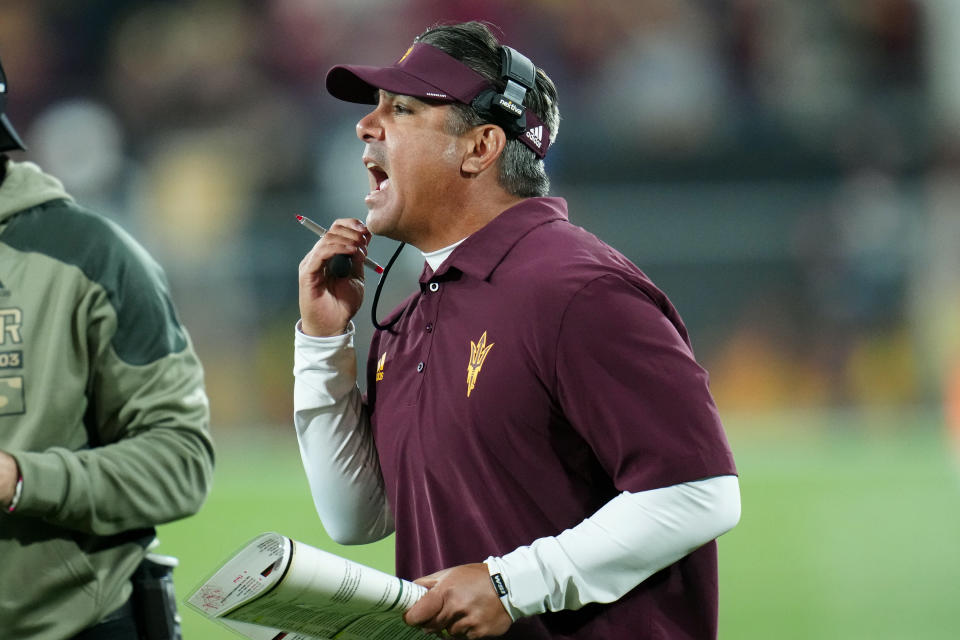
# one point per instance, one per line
(485, 104)
(481, 104)
(507, 109)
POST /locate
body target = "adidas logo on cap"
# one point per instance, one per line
(536, 135)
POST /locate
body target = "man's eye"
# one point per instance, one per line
(399, 108)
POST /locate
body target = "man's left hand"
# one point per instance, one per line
(462, 601)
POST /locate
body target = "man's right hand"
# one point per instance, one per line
(327, 303)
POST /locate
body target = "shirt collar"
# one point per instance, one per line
(480, 253)
(436, 258)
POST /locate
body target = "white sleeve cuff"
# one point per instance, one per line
(521, 574)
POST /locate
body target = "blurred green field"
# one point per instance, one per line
(850, 526)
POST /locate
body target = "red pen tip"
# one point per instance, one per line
(300, 218)
(379, 269)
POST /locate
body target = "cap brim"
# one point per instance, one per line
(427, 73)
(9, 140)
(355, 83)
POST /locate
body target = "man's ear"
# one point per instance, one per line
(486, 143)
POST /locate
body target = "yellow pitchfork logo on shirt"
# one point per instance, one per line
(380, 363)
(478, 353)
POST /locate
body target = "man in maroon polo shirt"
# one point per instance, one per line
(536, 429)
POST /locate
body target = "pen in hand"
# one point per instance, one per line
(341, 264)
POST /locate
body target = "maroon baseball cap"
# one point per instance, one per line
(9, 140)
(425, 72)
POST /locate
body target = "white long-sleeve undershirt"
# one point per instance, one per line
(599, 560)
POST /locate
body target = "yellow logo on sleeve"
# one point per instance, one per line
(478, 353)
(380, 363)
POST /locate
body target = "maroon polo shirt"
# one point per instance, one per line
(536, 375)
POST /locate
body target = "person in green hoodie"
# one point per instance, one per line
(104, 420)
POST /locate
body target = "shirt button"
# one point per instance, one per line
(429, 327)
(434, 287)
(419, 367)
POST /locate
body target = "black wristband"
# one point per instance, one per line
(499, 585)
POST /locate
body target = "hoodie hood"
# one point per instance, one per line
(26, 186)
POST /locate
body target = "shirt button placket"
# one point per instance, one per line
(433, 287)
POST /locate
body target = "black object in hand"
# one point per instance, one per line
(340, 265)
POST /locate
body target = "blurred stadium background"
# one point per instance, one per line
(789, 172)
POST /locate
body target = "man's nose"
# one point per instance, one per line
(369, 127)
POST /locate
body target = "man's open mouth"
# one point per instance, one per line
(380, 179)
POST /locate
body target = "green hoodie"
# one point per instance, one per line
(101, 403)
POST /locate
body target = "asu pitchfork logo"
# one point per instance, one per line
(382, 361)
(478, 353)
